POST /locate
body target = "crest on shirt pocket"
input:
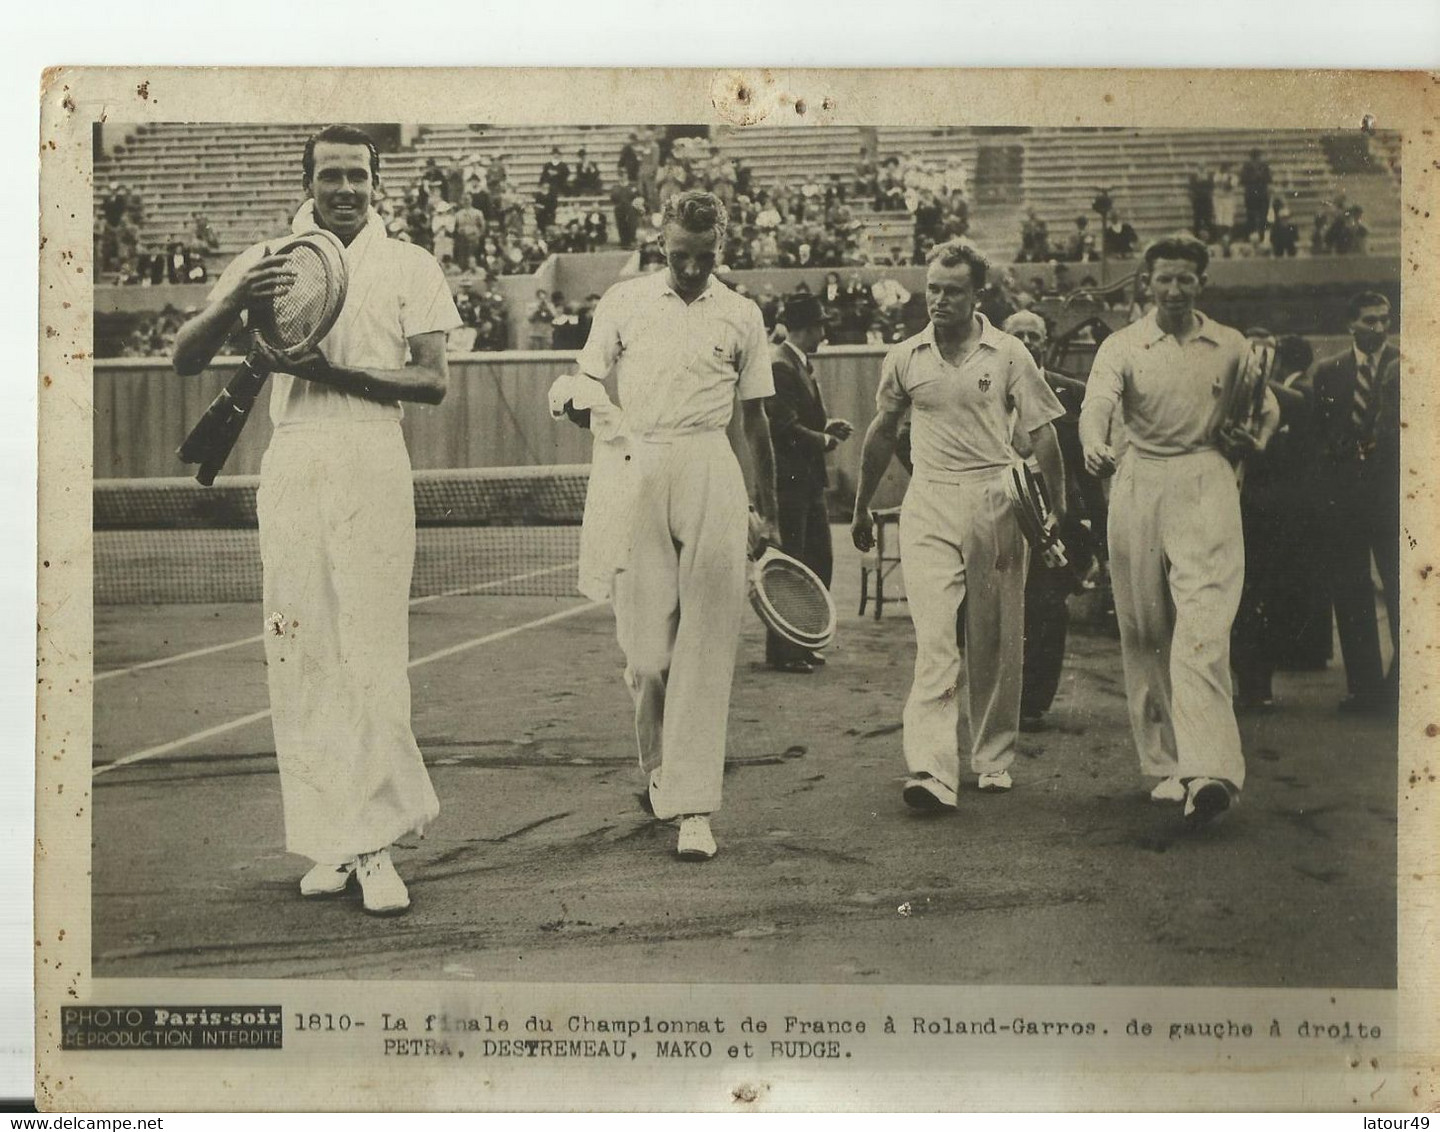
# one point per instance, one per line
(984, 385)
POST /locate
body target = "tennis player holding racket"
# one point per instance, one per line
(337, 526)
(961, 542)
(683, 347)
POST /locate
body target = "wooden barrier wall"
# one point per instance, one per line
(495, 414)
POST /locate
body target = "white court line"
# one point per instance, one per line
(160, 662)
(254, 717)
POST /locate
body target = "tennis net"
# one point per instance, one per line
(509, 531)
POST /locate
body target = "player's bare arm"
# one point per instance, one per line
(198, 340)
(424, 380)
(1046, 446)
(1095, 442)
(755, 428)
(875, 456)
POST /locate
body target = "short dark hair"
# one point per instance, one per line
(1363, 299)
(957, 253)
(1182, 245)
(342, 135)
(695, 210)
(1292, 354)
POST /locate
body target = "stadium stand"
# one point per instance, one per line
(224, 185)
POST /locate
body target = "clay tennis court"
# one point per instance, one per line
(542, 866)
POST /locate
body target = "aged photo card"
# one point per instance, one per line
(736, 590)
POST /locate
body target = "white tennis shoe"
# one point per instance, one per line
(996, 783)
(327, 879)
(696, 842)
(1206, 800)
(927, 794)
(383, 889)
(1170, 790)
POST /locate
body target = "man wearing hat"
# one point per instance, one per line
(802, 434)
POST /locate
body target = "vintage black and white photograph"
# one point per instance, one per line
(780, 549)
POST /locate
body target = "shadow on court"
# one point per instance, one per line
(542, 867)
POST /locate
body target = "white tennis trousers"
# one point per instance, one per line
(1177, 562)
(961, 544)
(337, 538)
(678, 604)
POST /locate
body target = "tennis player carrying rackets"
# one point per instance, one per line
(337, 526)
(683, 346)
(961, 540)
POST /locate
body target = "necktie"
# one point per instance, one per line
(1360, 408)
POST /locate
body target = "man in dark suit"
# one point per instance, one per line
(1285, 620)
(1356, 399)
(1047, 617)
(802, 435)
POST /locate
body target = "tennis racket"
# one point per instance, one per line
(1247, 392)
(790, 599)
(1031, 500)
(291, 324)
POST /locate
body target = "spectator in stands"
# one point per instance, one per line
(454, 175)
(629, 207)
(468, 230)
(115, 204)
(721, 175)
(1223, 197)
(1201, 189)
(1034, 239)
(497, 177)
(432, 181)
(1284, 234)
(596, 229)
(1348, 233)
(649, 153)
(461, 339)
(554, 175)
(929, 220)
(175, 262)
(628, 163)
(857, 312)
(1119, 237)
(890, 299)
(866, 176)
(417, 219)
(442, 231)
(587, 180)
(1255, 180)
(1080, 248)
(540, 318)
(890, 189)
(671, 180)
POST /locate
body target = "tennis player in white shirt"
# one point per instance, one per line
(682, 348)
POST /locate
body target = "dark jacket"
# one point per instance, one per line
(1332, 386)
(797, 425)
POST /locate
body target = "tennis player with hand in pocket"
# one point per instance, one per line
(337, 525)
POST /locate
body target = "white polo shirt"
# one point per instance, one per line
(1172, 394)
(960, 419)
(395, 290)
(678, 365)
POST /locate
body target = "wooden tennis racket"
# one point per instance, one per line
(291, 324)
(791, 599)
(1030, 498)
